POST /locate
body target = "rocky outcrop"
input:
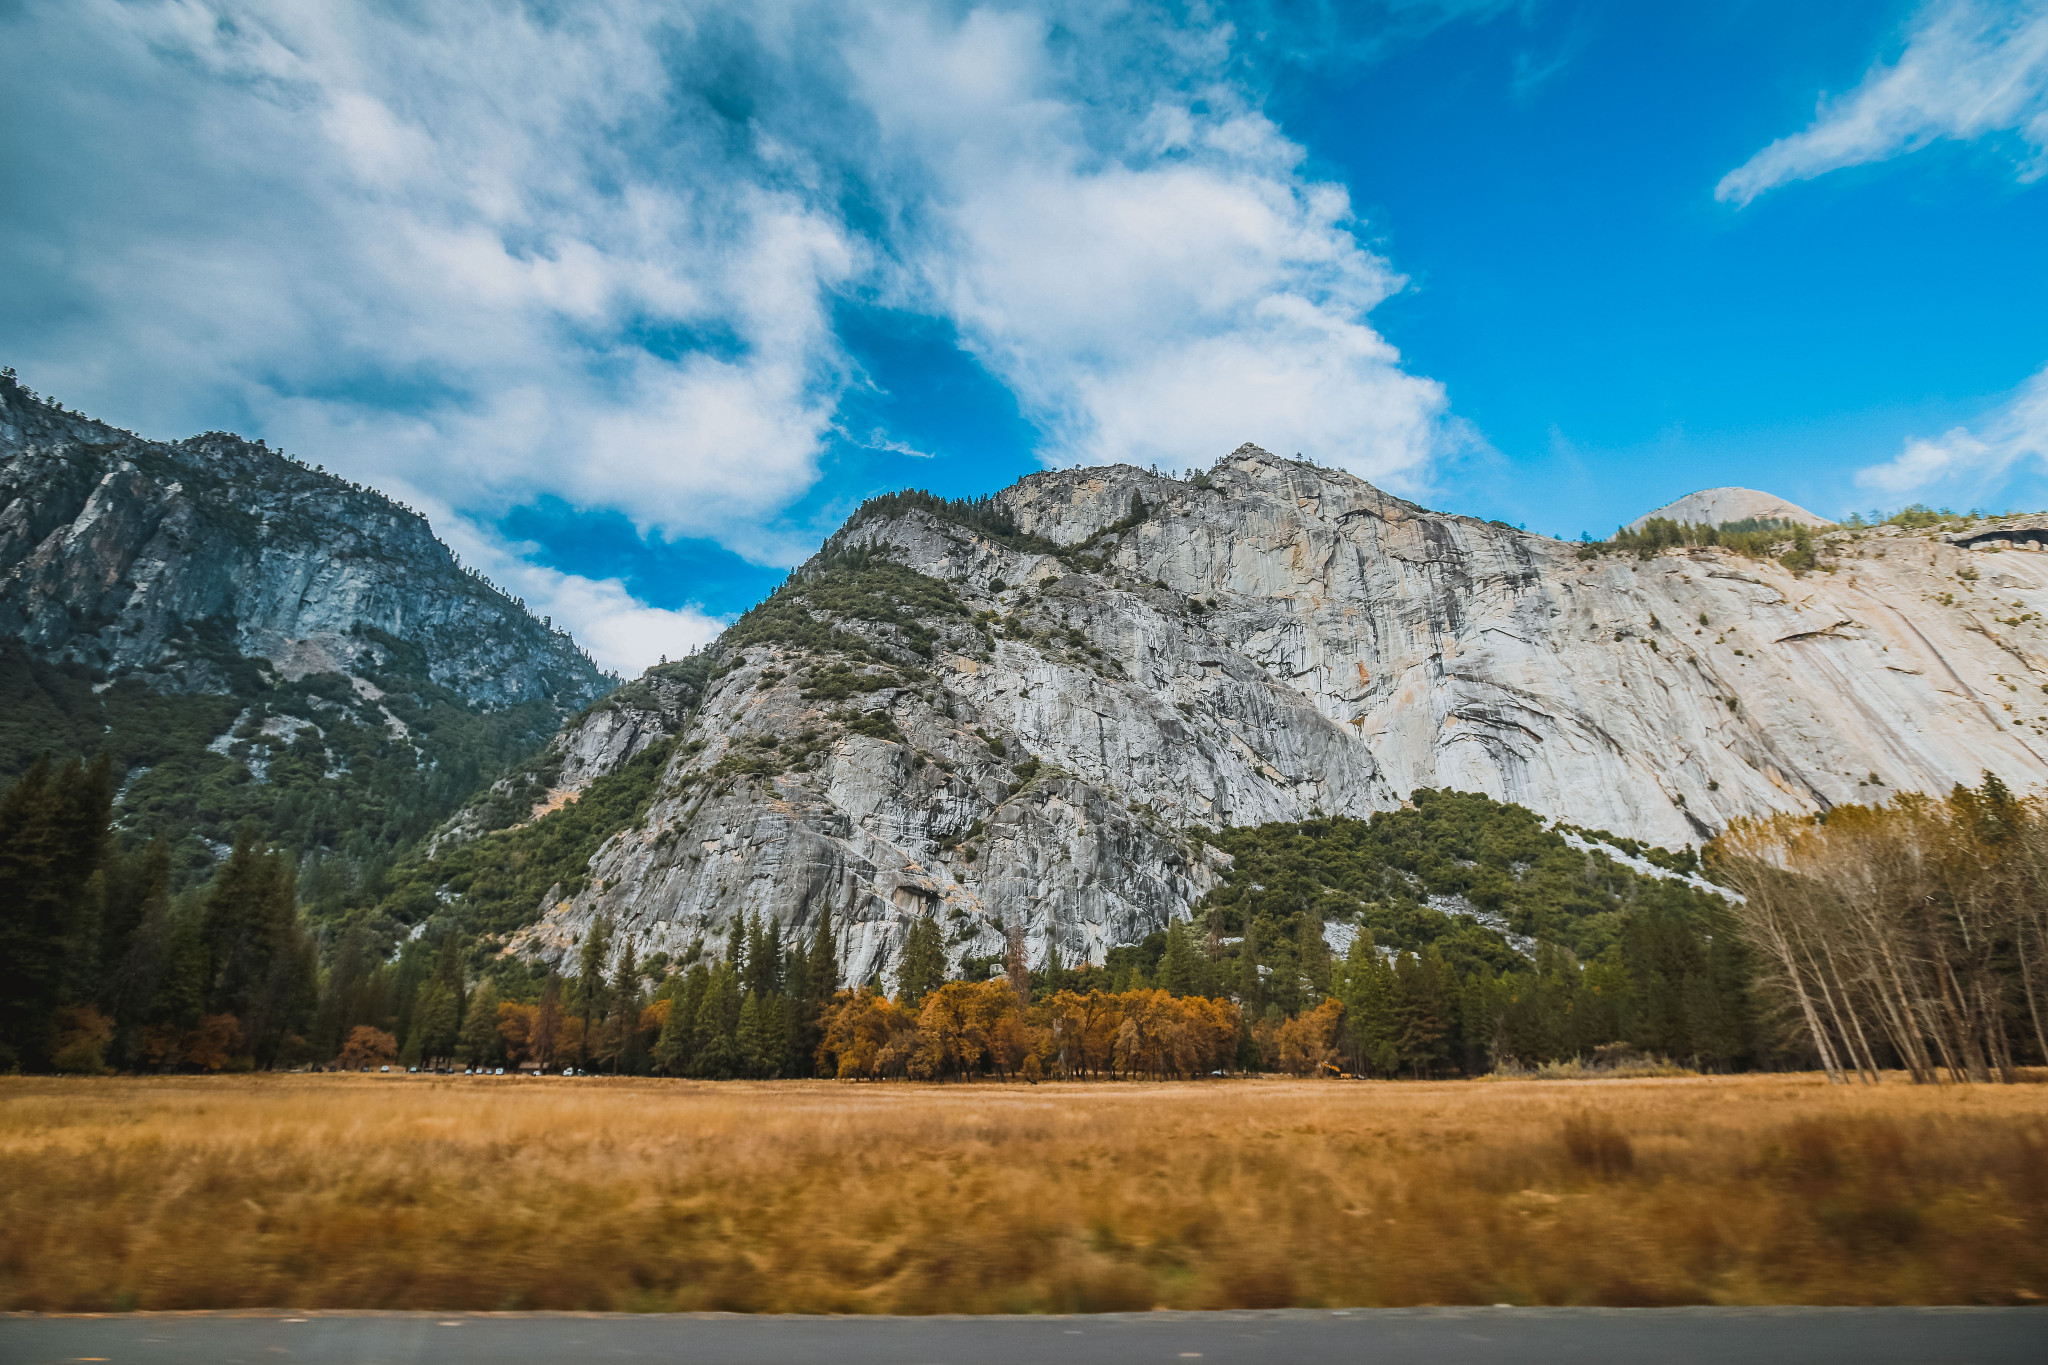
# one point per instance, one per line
(111, 545)
(600, 740)
(1024, 727)
(1713, 506)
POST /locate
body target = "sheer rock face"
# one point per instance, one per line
(110, 544)
(1288, 640)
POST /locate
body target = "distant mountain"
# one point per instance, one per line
(1020, 709)
(1713, 506)
(253, 640)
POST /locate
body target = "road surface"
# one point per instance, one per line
(1402, 1336)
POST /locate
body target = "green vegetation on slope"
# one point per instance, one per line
(1504, 860)
(1621, 956)
(989, 519)
(1751, 537)
(493, 885)
(861, 584)
(310, 765)
(984, 516)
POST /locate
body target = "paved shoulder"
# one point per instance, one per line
(1401, 1336)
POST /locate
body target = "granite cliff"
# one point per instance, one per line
(1014, 711)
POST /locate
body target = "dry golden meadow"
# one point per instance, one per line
(417, 1192)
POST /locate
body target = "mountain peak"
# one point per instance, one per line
(1712, 506)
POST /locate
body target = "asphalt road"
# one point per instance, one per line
(1424, 1336)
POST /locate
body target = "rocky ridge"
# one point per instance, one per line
(250, 640)
(1015, 710)
(110, 544)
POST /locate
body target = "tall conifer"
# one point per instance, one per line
(923, 968)
(481, 1043)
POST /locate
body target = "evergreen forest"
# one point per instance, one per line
(1380, 947)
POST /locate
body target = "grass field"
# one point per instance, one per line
(416, 1192)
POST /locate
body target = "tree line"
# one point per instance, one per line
(102, 966)
(1909, 935)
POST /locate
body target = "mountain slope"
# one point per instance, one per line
(252, 639)
(1013, 710)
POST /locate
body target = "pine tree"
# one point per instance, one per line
(1180, 965)
(622, 1027)
(1251, 984)
(1722, 1013)
(261, 960)
(1016, 964)
(84, 814)
(1312, 955)
(545, 1040)
(821, 985)
(737, 940)
(824, 961)
(923, 968)
(762, 974)
(760, 1035)
(180, 1000)
(136, 950)
(1057, 977)
(1661, 951)
(715, 1041)
(240, 912)
(1482, 1001)
(482, 1045)
(796, 997)
(589, 988)
(675, 1050)
(53, 839)
(1605, 1001)
(1365, 983)
(435, 1023)
(443, 1031)
(1425, 1009)
(284, 1006)
(341, 993)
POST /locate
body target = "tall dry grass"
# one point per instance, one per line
(354, 1191)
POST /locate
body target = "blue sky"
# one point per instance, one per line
(638, 300)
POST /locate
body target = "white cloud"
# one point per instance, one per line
(622, 633)
(483, 253)
(1969, 461)
(449, 206)
(1155, 288)
(1970, 68)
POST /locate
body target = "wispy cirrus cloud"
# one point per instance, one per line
(1970, 68)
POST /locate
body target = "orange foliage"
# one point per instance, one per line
(867, 1037)
(217, 1039)
(1309, 1039)
(367, 1047)
(515, 1026)
(968, 1027)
